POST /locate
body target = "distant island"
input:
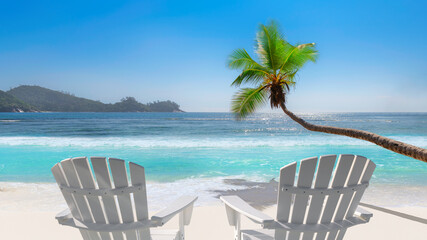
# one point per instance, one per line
(27, 98)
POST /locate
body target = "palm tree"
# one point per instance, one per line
(274, 75)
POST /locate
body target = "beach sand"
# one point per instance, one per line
(210, 223)
(27, 211)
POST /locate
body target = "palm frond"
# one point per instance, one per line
(253, 75)
(269, 45)
(299, 55)
(240, 59)
(275, 73)
(247, 100)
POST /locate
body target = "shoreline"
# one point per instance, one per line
(42, 196)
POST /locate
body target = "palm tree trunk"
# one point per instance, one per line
(388, 143)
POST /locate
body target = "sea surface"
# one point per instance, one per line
(193, 152)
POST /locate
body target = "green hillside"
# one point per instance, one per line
(49, 100)
(163, 106)
(9, 103)
(55, 101)
(128, 104)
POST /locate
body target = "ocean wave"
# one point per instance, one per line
(10, 120)
(47, 196)
(270, 129)
(206, 119)
(19, 196)
(183, 142)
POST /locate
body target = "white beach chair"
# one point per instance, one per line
(316, 207)
(103, 208)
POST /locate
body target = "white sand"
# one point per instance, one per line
(210, 223)
(27, 211)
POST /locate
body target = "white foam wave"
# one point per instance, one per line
(18, 196)
(47, 196)
(185, 142)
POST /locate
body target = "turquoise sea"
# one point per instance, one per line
(203, 148)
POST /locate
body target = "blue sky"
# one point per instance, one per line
(372, 54)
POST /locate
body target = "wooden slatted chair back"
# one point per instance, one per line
(321, 194)
(105, 195)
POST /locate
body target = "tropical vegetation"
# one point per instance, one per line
(35, 98)
(9, 103)
(273, 75)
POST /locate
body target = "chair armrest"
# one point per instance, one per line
(183, 203)
(64, 216)
(363, 214)
(239, 205)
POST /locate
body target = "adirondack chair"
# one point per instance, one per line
(105, 208)
(316, 207)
